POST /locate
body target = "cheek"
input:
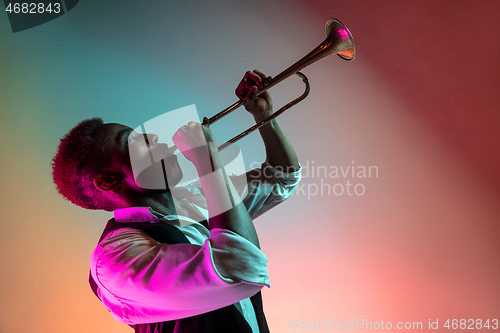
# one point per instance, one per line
(173, 171)
(138, 158)
(158, 176)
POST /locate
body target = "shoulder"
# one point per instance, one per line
(122, 244)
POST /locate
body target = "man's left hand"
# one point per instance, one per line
(248, 87)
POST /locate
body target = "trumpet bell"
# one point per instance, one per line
(339, 38)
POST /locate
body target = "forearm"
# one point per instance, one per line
(280, 152)
(226, 211)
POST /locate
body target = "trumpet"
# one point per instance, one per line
(338, 41)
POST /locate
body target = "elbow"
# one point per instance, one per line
(237, 260)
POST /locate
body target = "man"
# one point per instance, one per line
(155, 268)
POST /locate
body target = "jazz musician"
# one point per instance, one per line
(152, 269)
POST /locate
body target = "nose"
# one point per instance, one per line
(151, 139)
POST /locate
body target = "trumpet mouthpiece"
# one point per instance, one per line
(172, 149)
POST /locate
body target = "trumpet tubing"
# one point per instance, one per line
(338, 41)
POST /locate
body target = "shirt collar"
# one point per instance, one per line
(135, 214)
(147, 214)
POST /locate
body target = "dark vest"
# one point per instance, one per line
(223, 320)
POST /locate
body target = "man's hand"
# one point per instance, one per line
(248, 87)
(279, 151)
(193, 141)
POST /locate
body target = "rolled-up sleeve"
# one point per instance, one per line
(143, 281)
(265, 187)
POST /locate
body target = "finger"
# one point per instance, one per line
(251, 76)
(249, 79)
(244, 87)
(251, 98)
(261, 75)
(249, 83)
(265, 79)
(252, 93)
(175, 137)
(241, 91)
(206, 122)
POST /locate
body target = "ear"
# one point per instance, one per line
(106, 182)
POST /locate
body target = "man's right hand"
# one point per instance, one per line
(197, 143)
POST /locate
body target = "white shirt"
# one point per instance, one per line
(142, 281)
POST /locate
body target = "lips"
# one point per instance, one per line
(160, 151)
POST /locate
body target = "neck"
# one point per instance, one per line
(162, 203)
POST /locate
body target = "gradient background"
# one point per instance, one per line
(420, 102)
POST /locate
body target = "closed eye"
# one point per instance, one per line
(132, 138)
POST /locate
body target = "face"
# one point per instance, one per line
(143, 163)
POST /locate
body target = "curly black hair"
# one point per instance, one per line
(76, 164)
